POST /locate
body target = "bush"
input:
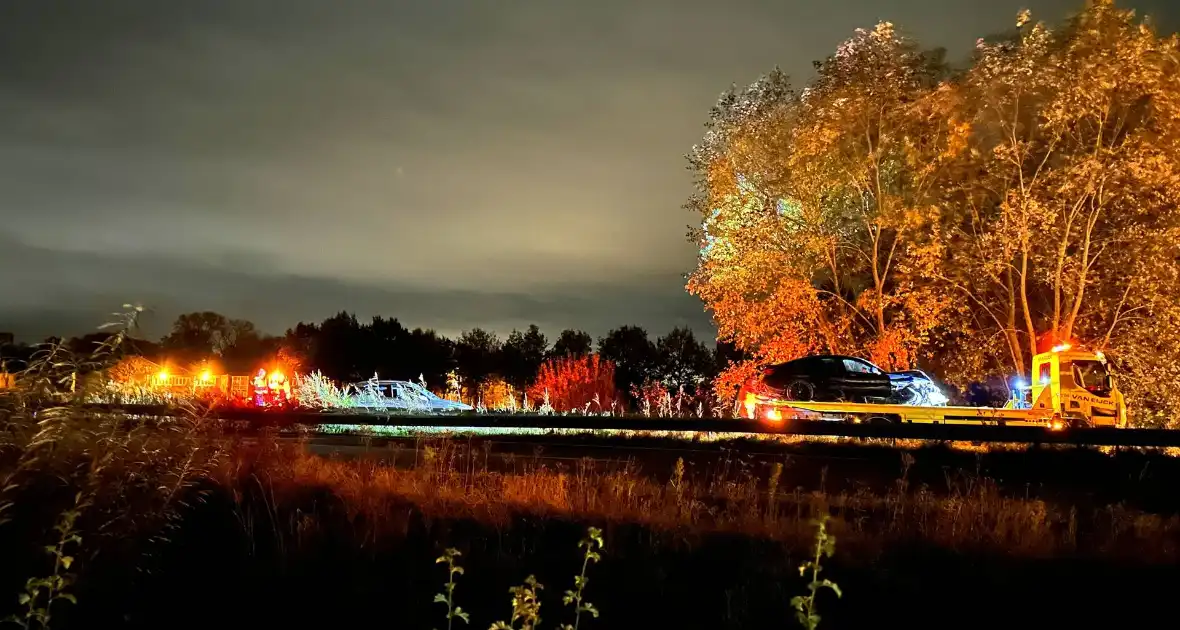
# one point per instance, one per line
(576, 384)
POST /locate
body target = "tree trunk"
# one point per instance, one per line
(1030, 328)
(1010, 333)
(878, 283)
(1083, 272)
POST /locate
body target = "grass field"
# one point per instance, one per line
(183, 526)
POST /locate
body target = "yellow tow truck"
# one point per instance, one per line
(1070, 388)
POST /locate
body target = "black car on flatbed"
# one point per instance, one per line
(824, 378)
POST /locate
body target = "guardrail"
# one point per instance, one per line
(255, 418)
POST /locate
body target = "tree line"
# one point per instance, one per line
(962, 217)
(349, 350)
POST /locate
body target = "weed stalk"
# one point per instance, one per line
(448, 598)
(576, 597)
(825, 545)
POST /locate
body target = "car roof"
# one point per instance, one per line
(819, 357)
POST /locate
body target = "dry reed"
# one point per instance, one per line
(450, 480)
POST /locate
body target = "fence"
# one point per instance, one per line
(236, 386)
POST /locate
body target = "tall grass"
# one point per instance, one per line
(114, 479)
(74, 482)
(450, 480)
(84, 480)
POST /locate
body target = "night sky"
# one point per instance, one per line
(453, 164)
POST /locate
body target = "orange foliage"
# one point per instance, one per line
(893, 350)
(133, 369)
(497, 393)
(574, 382)
(290, 360)
(731, 379)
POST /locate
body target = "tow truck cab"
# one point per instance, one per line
(1078, 385)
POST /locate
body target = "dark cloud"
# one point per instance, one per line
(449, 162)
(75, 294)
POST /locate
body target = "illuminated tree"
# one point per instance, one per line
(572, 383)
(816, 207)
(894, 211)
(496, 394)
(1064, 224)
(866, 161)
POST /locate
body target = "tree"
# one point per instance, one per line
(632, 354)
(197, 336)
(575, 384)
(433, 356)
(15, 357)
(522, 355)
(136, 346)
(338, 346)
(1064, 223)
(477, 352)
(572, 343)
(87, 344)
(683, 362)
(898, 212)
(866, 161)
(813, 207)
(201, 336)
(725, 353)
(382, 350)
(245, 347)
(298, 345)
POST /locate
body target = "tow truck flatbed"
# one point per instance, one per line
(868, 412)
(1068, 387)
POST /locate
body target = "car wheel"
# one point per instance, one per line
(800, 390)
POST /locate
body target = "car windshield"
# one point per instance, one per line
(1091, 375)
(417, 389)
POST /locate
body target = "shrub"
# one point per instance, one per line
(498, 394)
(133, 369)
(576, 383)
